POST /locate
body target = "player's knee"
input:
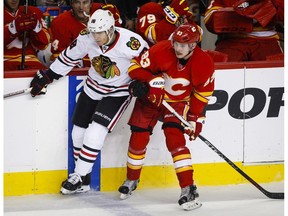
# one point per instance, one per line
(139, 140)
(78, 136)
(95, 135)
(174, 138)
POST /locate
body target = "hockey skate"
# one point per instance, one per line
(85, 184)
(189, 198)
(127, 187)
(76, 184)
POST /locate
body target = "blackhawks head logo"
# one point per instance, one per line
(105, 67)
(134, 43)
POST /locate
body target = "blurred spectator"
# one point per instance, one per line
(67, 26)
(157, 21)
(128, 11)
(16, 22)
(52, 2)
(246, 28)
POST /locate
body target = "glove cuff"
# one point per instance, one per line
(196, 118)
(171, 15)
(52, 75)
(12, 27)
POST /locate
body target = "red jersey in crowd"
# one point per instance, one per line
(34, 41)
(152, 24)
(246, 29)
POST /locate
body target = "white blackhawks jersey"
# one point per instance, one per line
(108, 74)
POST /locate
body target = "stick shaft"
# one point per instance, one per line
(24, 40)
(17, 92)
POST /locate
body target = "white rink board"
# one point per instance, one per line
(264, 135)
(36, 137)
(35, 129)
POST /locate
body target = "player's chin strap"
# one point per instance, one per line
(272, 195)
(110, 34)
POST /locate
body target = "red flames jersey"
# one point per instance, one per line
(13, 44)
(192, 82)
(65, 28)
(152, 24)
(258, 30)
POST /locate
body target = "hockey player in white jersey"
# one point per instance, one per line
(105, 95)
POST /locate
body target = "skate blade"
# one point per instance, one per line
(82, 189)
(66, 192)
(191, 205)
(125, 196)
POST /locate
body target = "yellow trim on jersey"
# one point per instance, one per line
(151, 31)
(133, 65)
(209, 12)
(202, 96)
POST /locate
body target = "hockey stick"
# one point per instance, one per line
(17, 92)
(22, 66)
(44, 90)
(272, 195)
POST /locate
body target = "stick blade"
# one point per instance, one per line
(275, 195)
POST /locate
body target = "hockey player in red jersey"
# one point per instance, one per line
(16, 22)
(157, 21)
(246, 28)
(179, 72)
(67, 26)
(105, 95)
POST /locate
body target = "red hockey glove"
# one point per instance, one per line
(156, 91)
(196, 123)
(176, 9)
(261, 10)
(23, 22)
(138, 89)
(39, 82)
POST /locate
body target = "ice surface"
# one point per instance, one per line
(232, 200)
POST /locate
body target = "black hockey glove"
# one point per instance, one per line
(40, 81)
(138, 89)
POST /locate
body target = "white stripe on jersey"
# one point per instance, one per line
(68, 61)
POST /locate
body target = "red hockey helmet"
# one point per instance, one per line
(187, 33)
